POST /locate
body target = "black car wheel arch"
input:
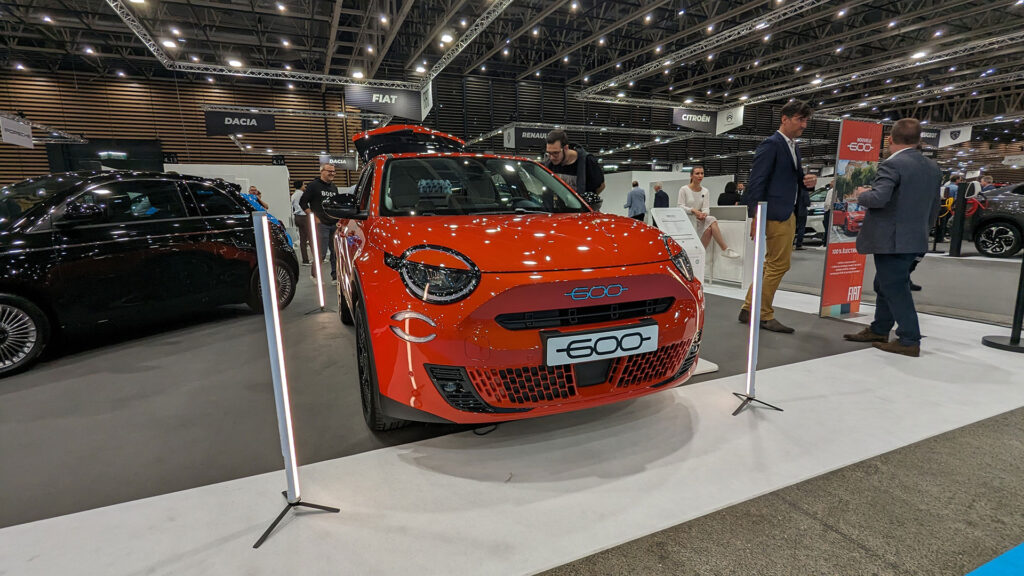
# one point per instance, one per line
(369, 390)
(998, 238)
(286, 278)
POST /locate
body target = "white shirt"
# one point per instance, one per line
(792, 147)
(693, 199)
(893, 155)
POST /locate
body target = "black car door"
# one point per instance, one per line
(142, 259)
(350, 236)
(230, 239)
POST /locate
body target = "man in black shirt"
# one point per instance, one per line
(317, 191)
(660, 196)
(575, 166)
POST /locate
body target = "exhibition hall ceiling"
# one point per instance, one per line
(945, 61)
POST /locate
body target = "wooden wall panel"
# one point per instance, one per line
(170, 112)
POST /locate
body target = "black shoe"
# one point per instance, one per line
(866, 335)
(799, 248)
(774, 325)
(914, 287)
(744, 316)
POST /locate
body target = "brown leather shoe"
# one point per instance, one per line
(896, 348)
(866, 335)
(744, 316)
(774, 325)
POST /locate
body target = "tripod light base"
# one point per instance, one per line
(318, 311)
(1002, 343)
(288, 507)
(747, 400)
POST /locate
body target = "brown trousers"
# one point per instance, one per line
(778, 248)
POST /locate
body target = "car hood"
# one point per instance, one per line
(527, 243)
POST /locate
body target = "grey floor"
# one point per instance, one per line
(193, 405)
(982, 290)
(942, 506)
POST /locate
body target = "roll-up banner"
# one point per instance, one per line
(527, 139)
(17, 133)
(222, 123)
(413, 104)
(860, 145)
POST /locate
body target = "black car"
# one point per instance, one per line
(82, 250)
(997, 225)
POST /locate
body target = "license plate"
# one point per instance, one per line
(571, 348)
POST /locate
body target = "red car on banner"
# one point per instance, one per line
(484, 289)
(850, 218)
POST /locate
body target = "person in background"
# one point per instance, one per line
(301, 221)
(730, 197)
(696, 199)
(741, 189)
(660, 196)
(901, 207)
(803, 202)
(258, 196)
(575, 166)
(948, 191)
(777, 177)
(986, 184)
(317, 191)
(636, 202)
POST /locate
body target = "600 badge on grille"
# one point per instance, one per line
(561, 348)
(596, 292)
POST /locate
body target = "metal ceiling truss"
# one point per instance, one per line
(705, 136)
(474, 30)
(384, 119)
(502, 43)
(274, 152)
(572, 128)
(1010, 79)
(54, 135)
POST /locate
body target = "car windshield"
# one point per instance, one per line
(20, 198)
(819, 195)
(454, 185)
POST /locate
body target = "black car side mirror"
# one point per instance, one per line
(341, 206)
(592, 199)
(76, 213)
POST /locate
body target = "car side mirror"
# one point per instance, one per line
(341, 206)
(593, 199)
(77, 213)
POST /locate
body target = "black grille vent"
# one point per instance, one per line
(453, 384)
(583, 315)
(691, 355)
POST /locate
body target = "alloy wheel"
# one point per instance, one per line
(996, 239)
(18, 335)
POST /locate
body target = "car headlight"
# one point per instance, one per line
(679, 258)
(435, 274)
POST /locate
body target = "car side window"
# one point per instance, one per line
(365, 190)
(137, 200)
(213, 201)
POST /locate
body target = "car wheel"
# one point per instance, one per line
(24, 332)
(344, 314)
(285, 278)
(998, 239)
(369, 390)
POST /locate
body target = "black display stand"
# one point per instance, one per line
(288, 507)
(1011, 343)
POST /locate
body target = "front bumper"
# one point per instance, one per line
(474, 370)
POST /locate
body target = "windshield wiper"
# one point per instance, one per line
(515, 211)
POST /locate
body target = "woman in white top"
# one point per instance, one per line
(697, 200)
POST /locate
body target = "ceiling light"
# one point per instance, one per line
(729, 79)
(47, 19)
(537, 73)
(291, 86)
(688, 101)
(816, 81)
(463, 23)
(744, 97)
(166, 44)
(420, 69)
(281, 7)
(918, 55)
(446, 37)
(575, 5)
(952, 68)
(757, 62)
(601, 41)
(798, 68)
(839, 49)
(536, 31)
(89, 50)
(357, 74)
(711, 56)
(270, 150)
(137, 1)
(711, 28)
(630, 83)
(505, 52)
(287, 66)
(621, 94)
(938, 33)
(120, 73)
(175, 31)
(841, 13)
(383, 19)
(194, 58)
(235, 63)
(483, 68)
(892, 24)
(767, 37)
(647, 19)
(726, 95)
(566, 59)
(285, 42)
(19, 66)
(657, 50)
(618, 64)
(209, 78)
(586, 78)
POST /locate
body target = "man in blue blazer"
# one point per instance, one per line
(777, 177)
(902, 204)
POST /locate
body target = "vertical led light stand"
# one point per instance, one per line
(316, 265)
(755, 313)
(275, 344)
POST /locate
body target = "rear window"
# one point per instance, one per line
(453, 185)
(214, 202)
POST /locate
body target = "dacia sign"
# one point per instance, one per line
(393, 101)
(221, 123)
(699, 120)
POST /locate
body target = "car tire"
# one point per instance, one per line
(999, 239)
(286, 280)
(24, 333)
(344, 314)
(369, 389)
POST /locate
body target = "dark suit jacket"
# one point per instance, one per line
(902, 205)
(774, 179)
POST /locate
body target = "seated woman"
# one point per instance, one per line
(695, 199)
(730, 197)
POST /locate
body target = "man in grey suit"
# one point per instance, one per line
(902, 205)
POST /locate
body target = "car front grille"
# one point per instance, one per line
(454, 385)
(584, 314)
(543, 385)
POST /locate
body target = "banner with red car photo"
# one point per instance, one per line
(860, 144)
